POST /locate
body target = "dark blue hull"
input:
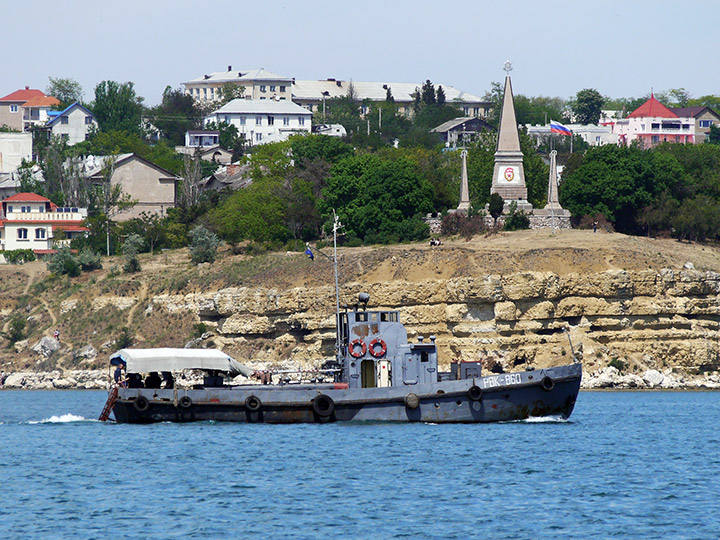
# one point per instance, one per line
(495, 398)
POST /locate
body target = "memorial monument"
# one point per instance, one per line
(509, 175)
(464, 205)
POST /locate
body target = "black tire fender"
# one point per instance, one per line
(547, 383)
(141, 404)
(475, 393)
(323, 405)
(185, 402)
(253, 403)
(412, 401)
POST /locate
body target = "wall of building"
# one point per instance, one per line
(153, 190)
(76, 128)
(10, 118)
(14, 147)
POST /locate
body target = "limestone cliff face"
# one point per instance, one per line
(637, 320)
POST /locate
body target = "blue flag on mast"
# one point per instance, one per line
(309, 253)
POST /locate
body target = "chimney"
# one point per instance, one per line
(27, 88)
(229, 68)
(339, 83)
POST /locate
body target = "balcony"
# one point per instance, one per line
(80, 215)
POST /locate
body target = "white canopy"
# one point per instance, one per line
(147, 360)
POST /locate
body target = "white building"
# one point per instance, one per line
(73, 124)
(258, 83)
(29, 221)
(14, 147)
(260, 120)
(590, 133)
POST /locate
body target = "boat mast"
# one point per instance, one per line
(336, 226)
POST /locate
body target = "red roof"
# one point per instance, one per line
(652, 108)
(41, 101)
(23, 95)
(26, 197)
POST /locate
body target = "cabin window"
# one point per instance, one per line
(388, 317)
(361, 317)
(424, 356)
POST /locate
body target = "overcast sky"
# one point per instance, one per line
(622, 48)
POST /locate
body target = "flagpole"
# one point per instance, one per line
(336, 226)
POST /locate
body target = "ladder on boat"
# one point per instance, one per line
(105, 414)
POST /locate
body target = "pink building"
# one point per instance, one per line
(653, 123)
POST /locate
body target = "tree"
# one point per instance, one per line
(203, 245)
(117, 106)
(679, 96)
(713, 137)
(495, 206)
(110, 197)
(588, 106)
(130, 248)
(230, 91)
(64, 262)
(152, 226)
(440, 95)
(191, 178)
(66, 91)
(427, 95)
(388, 95)
(176, 114)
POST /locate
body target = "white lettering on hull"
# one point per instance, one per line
(508, 379)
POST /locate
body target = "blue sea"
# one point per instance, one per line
(634, 465)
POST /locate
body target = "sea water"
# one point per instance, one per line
(626, 465)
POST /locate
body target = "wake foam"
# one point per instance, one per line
(555, 418)
(62, 419)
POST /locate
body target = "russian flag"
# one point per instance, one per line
(557, 127)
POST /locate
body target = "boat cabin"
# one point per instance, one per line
(375, 352)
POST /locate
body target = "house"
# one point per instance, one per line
(73, 124)
(259, 120)
(704, 118)
(233, 177)
(258, 83)
(461, 131)
(14, 147)
(29, 221)
(151, 187)
(37, 111)
(205, 144)
(11, 113)
(653, 123)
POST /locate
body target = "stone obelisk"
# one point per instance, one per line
(509, 174)
(464, 205)
(553, 201)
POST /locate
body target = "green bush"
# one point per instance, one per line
(63, 262)
(88, 259)
(516, 219)
(19, 256)
(203, 245)
(130, 248)
(124, 339)
(16, 329)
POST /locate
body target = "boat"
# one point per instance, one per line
(376, 375)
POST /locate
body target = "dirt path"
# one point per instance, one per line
(142, 296)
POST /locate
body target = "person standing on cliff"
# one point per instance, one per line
(595, 226)
(56, 335)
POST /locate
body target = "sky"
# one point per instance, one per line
(557, 47)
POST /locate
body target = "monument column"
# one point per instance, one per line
(464, 205)
(509, 174)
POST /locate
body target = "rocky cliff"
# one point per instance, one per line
(631, 327)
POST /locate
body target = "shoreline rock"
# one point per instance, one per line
(607, 378)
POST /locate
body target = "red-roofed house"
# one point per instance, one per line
(652, 123)
(11, 113)
(29, 221)
(35, 110)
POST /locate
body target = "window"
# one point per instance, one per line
(286, 121)
(64, 119)
(258, 137)
(13, 108)
(282, 88)
(272, 88)
(466, 110)
(88, 120)
(476, 111)
(301, 121)
(227, 119)
(655, 139)
(41, 209)
(9, 208)
(242, 120)
(705, 123)
(212, 92)
(22, 234)
(258, 120)
(262, 87)
(26, 208)
(271, 120)
(205, 92)
(39, 234)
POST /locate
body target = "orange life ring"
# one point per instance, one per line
(363, 348)
(383, 348)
